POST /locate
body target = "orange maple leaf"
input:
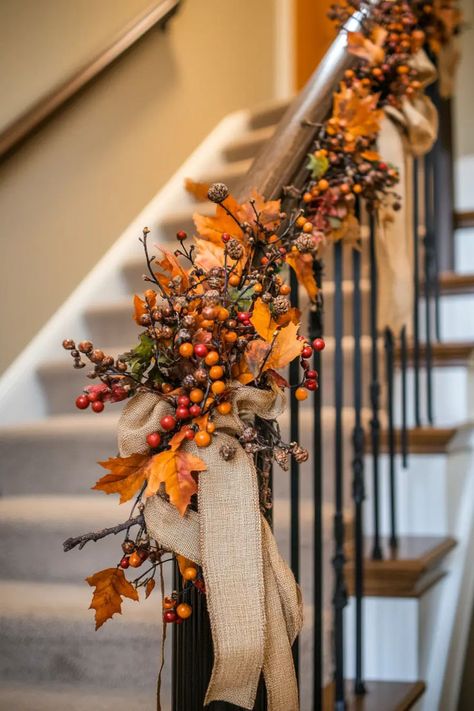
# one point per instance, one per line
(349, 231)
(268, 211)
(285, 346)
(141, 306)
(357, 110)
(196, 189)
(212, 228)
(263, 322)
(111, 586)
(174, 468)
(172, 271)
(127, 475)
(371, 49)
(302, 264)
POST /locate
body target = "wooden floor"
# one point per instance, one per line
(380, 696)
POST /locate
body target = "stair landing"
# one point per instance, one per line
(379, 696)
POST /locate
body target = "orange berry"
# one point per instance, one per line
(216, 372)
(357, 188)
(301, 394)
(212, 358)
(135, 559)
(307, 227)
(190, 573)
(272, 239)
(307, 197)
(196, 395)
(169, 603)
(300, 221)
(186, 350)
(258, 288)
(222, 314)
(235, 370)
(209, 403)
(207, 324)
(184, 611)
(218, 387)
(234, 280)
(323, 184)
(202, 438)
(210, 427)
(344, 188)
(166, 388)
(285, 289)
(230, 337)
(224, 408)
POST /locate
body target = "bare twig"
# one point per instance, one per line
(81, 541)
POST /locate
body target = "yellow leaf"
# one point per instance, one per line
(196, 189)
(263, 321)
(111, 586)
(127, 475)
(303, 267)
(174, 468)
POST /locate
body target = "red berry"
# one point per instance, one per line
(182, 413)
(82, 402)
(383, 166)
(179, 620)
(311, 374)
(153, 440)
(319, 344)
(311, 385)
(97, 406)
(170, 616)
(194, 410)
(181, 235)
(93, 396)
(307, 352)
(189, 433)
(201, 350)
(168, 422)
(304, 364)
(183, 401)
(225, 237)
(124, 563)
(243, 316)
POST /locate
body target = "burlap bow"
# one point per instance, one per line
(253, 600)
(410, 131)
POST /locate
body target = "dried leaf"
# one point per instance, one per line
(349, 231)
(184, 563)
(318, 165)
(212, 228)
(111, 586)
(369, 49)
(196, 189)
(372, 156)
(358, 110)
(174, 468)
(303, 267)
(261, 355)
(172, 271)
(268, 211)
(140, 305)
(149, 587)
(127, 475)
(263, 321)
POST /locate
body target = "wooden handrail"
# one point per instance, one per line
(279, 162)
(45, 107)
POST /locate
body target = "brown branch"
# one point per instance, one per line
(81, 541)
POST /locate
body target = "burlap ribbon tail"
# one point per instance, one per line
(253, 600)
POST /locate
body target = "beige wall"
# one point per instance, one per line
(70, 191)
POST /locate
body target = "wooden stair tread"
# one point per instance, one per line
(453, 283)
(443, 354)
(407, 571)
(421, 440)
(464, 219)
(380, 696)
(269, 114)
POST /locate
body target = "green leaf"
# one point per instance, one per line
(317, 166)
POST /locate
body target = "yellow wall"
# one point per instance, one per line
(70, 191)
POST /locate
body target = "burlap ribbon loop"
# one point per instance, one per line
(405, 133)
(253, 600)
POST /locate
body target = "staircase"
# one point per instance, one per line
(418, 602)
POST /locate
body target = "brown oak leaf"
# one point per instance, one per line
(127, 475)
(111, 586)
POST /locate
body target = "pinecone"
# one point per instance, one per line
(248, 435)
(227, 452)
(281, 457)
(234, 249)
(218, 192)
(251, 447)
(211, 297)
(189, 381)
(215, 279)
(299, 453)
(280, 305)
(305, 243)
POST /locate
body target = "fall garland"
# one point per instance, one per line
(217, 324)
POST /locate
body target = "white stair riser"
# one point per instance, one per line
(456, 317)
(464, 250)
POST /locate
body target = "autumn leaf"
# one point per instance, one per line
(173, 271)
(212, 228)
(302, 264)
(358, 110)
(286, 346)
(196, 189)
(372, 156)
(140, 305)
(318, 165)
(127, 475)
(371, 49)
(149, 587)
(111, 586)
(268, 211)
(348, 230)
(208, 255)
(174, 468)
(263, 321)
(184, 563)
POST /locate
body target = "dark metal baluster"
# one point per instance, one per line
(416, 291)
(316, 331)
(403, 372)
(174, 667)
(294, 470)
(389, 365)
(358, 488)
(374, 393)
(340, 594)
(429, 281)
